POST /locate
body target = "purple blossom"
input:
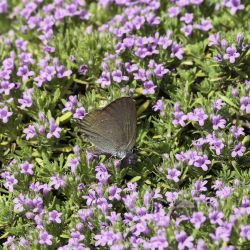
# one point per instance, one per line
(118, 77)
(10, 182)
(237, 132)
(173, 174)
(245, 232)
(174, 11)
(5, 87)
(180, 118)
(30, 132)
(231, 54)
(222, 232)
(187, 29)
(160, 71)
(171, 196)
(205, 25)
(238, 150)
(165, 41)
(184, 240)
(218, 104)
(26, 100)
(55, 216)
(56, 181)
(73, 164)
(214, 39)
(149, 88)
(216, 217)
(218, 122)
(187, 18)
(55, 130)
(224, 193)
(45, 238)
(198, 115)
(159, 106)
(71, 104)
(234, 6)
(79, 113)
(104, 80)
(245, 104)
(202, 162)
(24, 72)
(27, 168)
(114, 193)
(83, 69)
(5, 114)
(197, 219)
(177, 51)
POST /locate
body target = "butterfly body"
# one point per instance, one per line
(112, 129)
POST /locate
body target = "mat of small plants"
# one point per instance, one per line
(186, 63)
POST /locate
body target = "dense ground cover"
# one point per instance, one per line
(187, 65)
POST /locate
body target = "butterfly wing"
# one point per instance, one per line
(113, 128)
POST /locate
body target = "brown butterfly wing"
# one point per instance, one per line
(113, 128)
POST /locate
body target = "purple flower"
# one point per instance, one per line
(245, 104)
(3, 6)
(57, 181)
(218, 104)
(214, 39)
(160, 71)
(197, 219)
(202, 162)
(27, 168)
(30, 132)
(11, 181)
(142, 75)
(107, 238)
(234, 6)
(187, 29)
(83, 69)
(174, 11)
(173, 174)
(198, 115)
(55, 216)
(222, 232)
(180, 118)
(26, 100)
(149, 88)
(224, 192)
(238, 150)
(165, 41)
(216, 217)
(114, 193)
(21, 44)
(171, 196)
(79, 113)
(62, 72)
(177, 51)
(187, 18)
(245, 232)
(5, 114)
(73, 163)
(104, 80)
(231, 54)
(71, 104)
(54, 129)
(159, 106)
(217, 145)
(45, 238)
(118, 77)
(5, 87)
(24, 72)
(218, 122)
(205, 25)
(237, 132)
(184, 240)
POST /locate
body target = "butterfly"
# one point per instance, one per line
(112, 129)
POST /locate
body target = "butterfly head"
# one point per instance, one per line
(121, 154)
